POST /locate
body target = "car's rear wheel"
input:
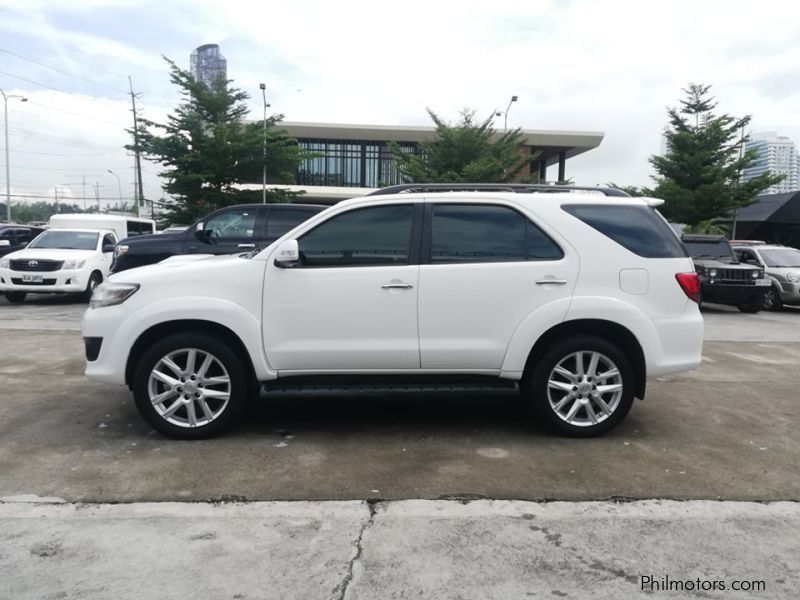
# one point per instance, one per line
(190, 386)
(15, 297)
(583, 386)
(772, 300)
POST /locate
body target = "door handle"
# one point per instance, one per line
(551, 282)
(397, 286)
(247, 246)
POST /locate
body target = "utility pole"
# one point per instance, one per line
(263, 88)
(97, 195)
(55, 192)
(138, 159)
(738, 183)
(83, 179)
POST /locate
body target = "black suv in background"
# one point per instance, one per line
(240, 228)
(723, 279)
(17, 236)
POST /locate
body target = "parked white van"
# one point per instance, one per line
(58, 261)
(123, 226)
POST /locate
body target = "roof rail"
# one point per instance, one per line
(518, 188)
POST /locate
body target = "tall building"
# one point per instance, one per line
(776, 154)
(207, 64)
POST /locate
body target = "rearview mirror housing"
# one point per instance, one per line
(287, 255)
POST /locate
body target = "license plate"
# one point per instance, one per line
(762, 282)
(28, 278)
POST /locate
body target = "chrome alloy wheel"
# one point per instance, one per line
(189, 387)
(584, 388)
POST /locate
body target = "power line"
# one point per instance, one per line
(63, 72)
(50, 87)
(70, 155)
(47, 138)
(49, 197)
(69, 112)
(16, 166)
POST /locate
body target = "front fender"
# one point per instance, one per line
(219, 311)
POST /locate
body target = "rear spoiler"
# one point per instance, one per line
(652, 201)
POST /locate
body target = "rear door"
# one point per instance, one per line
(486, 267)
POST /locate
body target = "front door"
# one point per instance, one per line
(234, 230)
(350, 304)
(487, 268)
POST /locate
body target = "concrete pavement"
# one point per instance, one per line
(408, 549)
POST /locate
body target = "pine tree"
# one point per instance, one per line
(207, 147)
(466, 152)
(700, 176)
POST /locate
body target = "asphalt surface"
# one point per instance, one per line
(726, 431)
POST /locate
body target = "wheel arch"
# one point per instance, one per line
(609, 330)
(163, 329)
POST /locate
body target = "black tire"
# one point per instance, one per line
(753, 305)
(15, 297)
(95, 279)
(236, 370)
(536, 387)
(772, 300)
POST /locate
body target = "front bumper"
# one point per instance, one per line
(118, 328)
(53, 282)
(731, 294)
(790, 292)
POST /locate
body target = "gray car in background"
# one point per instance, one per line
(782, 266)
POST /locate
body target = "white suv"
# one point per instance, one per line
(577, 296)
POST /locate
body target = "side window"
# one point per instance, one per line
(24, 236)
(108, 239)
(747, 256)
(7, 234)
(234, 224)
(363, 237)
(480, 233)
(281, 220)
(639, 229)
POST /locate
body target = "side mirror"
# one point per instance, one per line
(207, 236)
(4, 243)
(288, 254)
(108, 248)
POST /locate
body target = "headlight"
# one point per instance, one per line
(120, 250)
(5, 263)
(756, 274)
(793, 277)
(713, 272)
(111, 294)
(73, 264)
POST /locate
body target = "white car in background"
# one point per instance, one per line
(58, 261)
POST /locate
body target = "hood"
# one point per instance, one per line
(51, 254)
(179, 266)
(152, 238)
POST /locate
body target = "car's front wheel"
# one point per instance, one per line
(94, 280)
(190, 386)
(772, 300)
(582, 386)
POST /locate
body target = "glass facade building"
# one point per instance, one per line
(207, 64)
(350, 163)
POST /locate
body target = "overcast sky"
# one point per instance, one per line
(610, 66)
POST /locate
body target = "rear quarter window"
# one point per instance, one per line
(639, 229)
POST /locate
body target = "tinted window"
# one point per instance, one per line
(640, 229)
(234, 224)
(139, 228)
(281, 220)
(24, 236)
(711, 249)
(7, 234)
(109, 240)
(475, 233)
(366, 237)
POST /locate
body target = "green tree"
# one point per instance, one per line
(700, 176)
(31, 212)
(631, 190)
(465, 152)
(207, 148)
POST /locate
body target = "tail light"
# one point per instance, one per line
(690, 284)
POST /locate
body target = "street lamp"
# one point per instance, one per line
(8, 167)
(263, 88)
(119, 186)
(505, 119)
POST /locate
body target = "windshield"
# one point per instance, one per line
(67, 240)
(781, 257)
(718, 250)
